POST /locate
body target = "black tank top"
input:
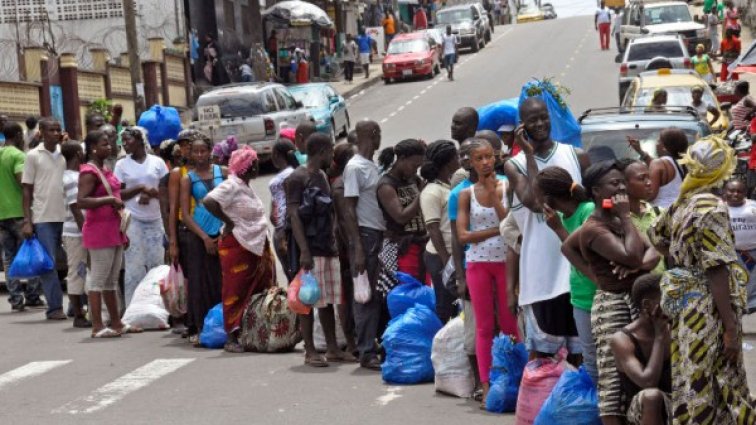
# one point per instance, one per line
(629, 387)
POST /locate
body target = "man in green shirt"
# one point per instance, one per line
(12, 159)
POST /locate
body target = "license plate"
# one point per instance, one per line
(407, 72)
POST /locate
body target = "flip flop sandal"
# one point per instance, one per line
(233, 347)
(128, 329)
(344, 357)
(106, 333)
(316, 361)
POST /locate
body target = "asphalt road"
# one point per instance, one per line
(51, 373)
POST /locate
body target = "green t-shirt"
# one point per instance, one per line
(11, 163)
(643, 222)
(582, 289)
(707, 5)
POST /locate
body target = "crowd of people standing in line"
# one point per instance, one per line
(547, 247)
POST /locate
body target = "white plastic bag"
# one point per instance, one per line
(318, 335)
(450, 363)
(362, 288)
(147, 309)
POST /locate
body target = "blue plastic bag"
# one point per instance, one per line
(309, 292)
(407, 293)
(408, 340)
(161, 122)
(564, 127)
(32, 260)
(573, 401)
(213, 333)
(495, 115)
(508, 361)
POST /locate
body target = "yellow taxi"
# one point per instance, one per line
(678, 84)
(529, 12)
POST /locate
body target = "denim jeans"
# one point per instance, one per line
(367, 317)
(585, 333)
(145, 252)
(10, 240)
(49, 234)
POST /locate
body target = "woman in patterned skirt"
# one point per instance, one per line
(703, 293)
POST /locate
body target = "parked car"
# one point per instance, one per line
(529, 12)
(434, 34)
(410, 55)
(487, 21)
(467, 22)
(678, 84)
(253, 112)
(649, 50)
(326, 107)
(662, 17)
(605, 130)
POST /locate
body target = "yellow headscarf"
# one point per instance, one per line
(710, 161)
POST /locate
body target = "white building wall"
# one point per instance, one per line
(76, 26)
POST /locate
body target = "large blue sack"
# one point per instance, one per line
(573, 401)
(213, 333)
(495, 115)
(31, 260)
(564, 126)
(161, 122)
(408, 340)
(508, 362)
(407, 293)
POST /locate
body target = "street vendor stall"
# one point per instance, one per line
(298, 25)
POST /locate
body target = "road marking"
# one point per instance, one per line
(400, 109)
(110, 393)
(29, 370)
(408, 103)
(416, 97)
(392, 393)
(384, 120)
(423, 91)
(392, 115)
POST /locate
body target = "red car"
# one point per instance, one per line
(411, 55)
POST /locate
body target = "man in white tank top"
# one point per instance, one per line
(544, 271)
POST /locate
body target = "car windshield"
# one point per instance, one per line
(311, 98)
(676, 96)
(667, 14)
(646, 51)
(235, 105)
(453, 16)
(407, 46)
(606, 144)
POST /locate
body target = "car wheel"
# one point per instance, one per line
(488, 37)
(437, 69)
(476, 46)
(347, 124)
(332, 132)
(387, 80)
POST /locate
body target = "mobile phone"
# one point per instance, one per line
(607, 204)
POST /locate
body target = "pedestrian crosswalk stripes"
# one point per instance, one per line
(29, 370)
(114, 391)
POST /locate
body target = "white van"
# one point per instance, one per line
(662, 17)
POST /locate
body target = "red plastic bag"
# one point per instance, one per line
(538, 379)
(173, 290)
(292, 296)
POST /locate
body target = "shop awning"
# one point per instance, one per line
(298, 13)
(746, 63)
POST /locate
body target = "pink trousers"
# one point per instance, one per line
(487, 283)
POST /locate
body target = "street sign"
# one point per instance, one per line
(209, 115)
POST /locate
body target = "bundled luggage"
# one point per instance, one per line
(408, 341)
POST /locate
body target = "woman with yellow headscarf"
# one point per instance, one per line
(703, 294)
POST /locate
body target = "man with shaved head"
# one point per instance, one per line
(544, 271)
(464, 124)
(365, 225)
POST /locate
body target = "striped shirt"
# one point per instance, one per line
(70, 190)
(740, 114)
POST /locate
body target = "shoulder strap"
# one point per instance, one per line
(105, 183)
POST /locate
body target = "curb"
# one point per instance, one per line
(359, 87)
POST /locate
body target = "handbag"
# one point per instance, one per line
(123, 212)
(268, 324)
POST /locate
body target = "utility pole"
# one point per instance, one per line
(137, 88)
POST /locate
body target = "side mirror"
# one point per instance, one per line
(645, 31)
(618, 58)
(334, 100)
(298, 104)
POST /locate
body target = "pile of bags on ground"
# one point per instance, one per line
(160, 294)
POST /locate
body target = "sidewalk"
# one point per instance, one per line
(359, 82)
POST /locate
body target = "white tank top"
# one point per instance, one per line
(544, 271)
(481, 218)
(670, 191)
